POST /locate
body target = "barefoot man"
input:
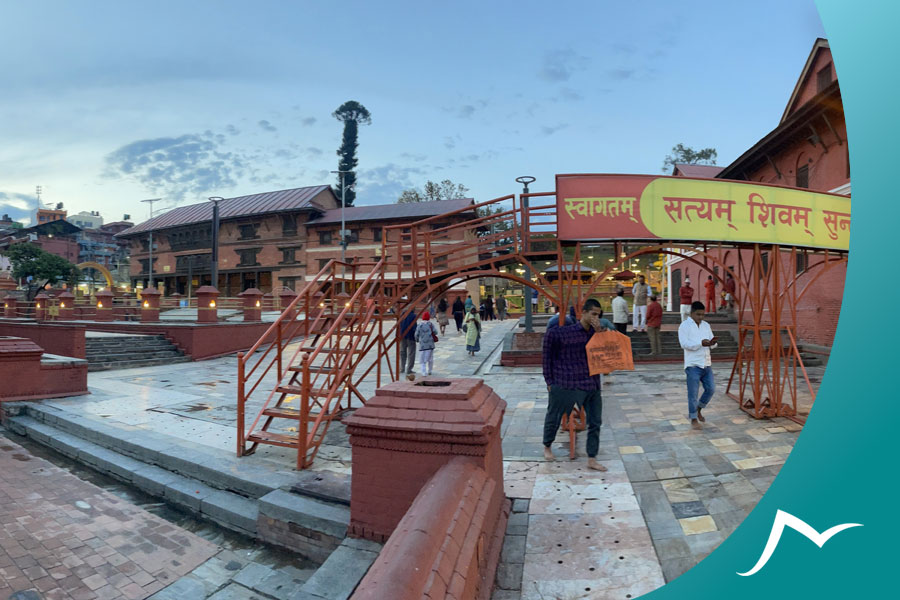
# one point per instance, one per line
(569, 380)
(697, 339)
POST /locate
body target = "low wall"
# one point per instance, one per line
(25, 375)
(65, 340)
(448, 543)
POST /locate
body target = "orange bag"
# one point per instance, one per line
(609, 351)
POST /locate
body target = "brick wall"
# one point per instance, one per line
(65, 340)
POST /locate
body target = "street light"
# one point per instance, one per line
(150, 267)
(525, 180)
(215, 240)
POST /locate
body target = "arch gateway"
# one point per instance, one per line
(347, 314)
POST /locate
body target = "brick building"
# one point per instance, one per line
(57, 237)
(268, 240)
(808, 149)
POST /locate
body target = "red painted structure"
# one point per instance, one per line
(428, 478)
(26, 376)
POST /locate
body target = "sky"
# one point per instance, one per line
(104, 104)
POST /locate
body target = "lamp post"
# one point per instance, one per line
(150, 265)
(215, 241)
(525, 180)
(343, 232)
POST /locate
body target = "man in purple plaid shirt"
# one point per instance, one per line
(569, 380)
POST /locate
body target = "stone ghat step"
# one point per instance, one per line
(132, 364)
(238, 494)
(128, 344)
(140, 352)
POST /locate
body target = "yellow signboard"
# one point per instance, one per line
(608, 207)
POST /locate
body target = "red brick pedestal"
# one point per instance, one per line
(66, 306)
(206, 304)
(105, 305)
(42, 307)
(25, 377)
(286, 297)
(406, 433)
(252, 304)
(9, 307)
(150, 305)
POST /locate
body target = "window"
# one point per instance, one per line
(288, 225)
(353, 236)
(324, 238)
(288, 256)
(823, 78)
(802, 262)
(803, 176)
(248, 232)
(377, 234)
(764, 259)
(289, 282)
(323, 262)
(248, 257)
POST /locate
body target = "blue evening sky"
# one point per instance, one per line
(107, 103)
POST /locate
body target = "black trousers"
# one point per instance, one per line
(622, 327)
(458, 317)
(562, 401)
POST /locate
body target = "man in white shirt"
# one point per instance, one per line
(697, 339)
(640, 292)
(620, 311)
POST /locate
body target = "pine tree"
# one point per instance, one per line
(352, 114)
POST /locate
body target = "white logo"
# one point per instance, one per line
(782, 520)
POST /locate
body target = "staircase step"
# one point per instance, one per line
(296, 390)
(312, 368)
(333, 350)
(274, 439)
(282, 412)
(131, 364)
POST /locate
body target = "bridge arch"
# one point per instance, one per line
(97, 267)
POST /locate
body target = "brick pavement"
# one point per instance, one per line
(65, 538)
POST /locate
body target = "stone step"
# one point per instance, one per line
(126, 344)
(141, 353)
(132, 364)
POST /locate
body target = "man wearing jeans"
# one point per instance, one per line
(697, 339)
(406, 339)
(569, 380)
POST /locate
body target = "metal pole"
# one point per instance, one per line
(150, 201)
(342, 232)
(215, 241)
(525, 180)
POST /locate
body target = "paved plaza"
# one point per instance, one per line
(669, 497)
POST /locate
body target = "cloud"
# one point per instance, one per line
(621, 74)
(560, 65)
(449, 143)
(267, 126)
(314, 152)
(419, 158)
(18, 206)
(551, 129)
(384, 184)
(232, 130)
(568, 94)
(176, 167)
(308, 121)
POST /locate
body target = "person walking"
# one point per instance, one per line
(654, 322)
(730, 288)
(620, 311)
(686, 295)
(501, 308)
(459, 311)
(640, 292)
(489, 307)
(469, 302)
(569, 381)
(697, 339)
(710, 286)
(406, 339)
(442, 315)
(426, 337)
(472, 327)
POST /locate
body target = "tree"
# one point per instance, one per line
(686, 155)
(445, 190)
(352, 114)
(29, 260)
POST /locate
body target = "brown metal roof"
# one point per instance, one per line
(708, 171)
(231, 208)
(387, 212)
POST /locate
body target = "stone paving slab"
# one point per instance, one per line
(67, 538)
